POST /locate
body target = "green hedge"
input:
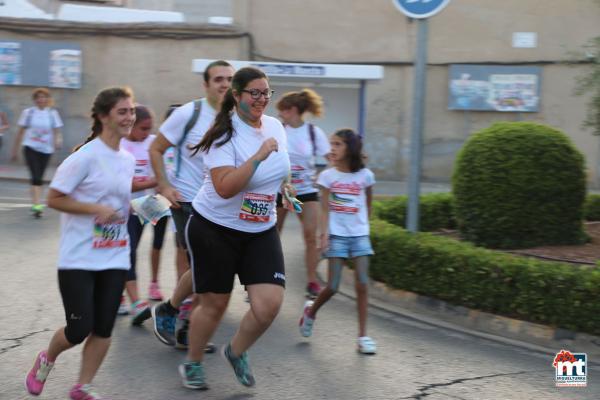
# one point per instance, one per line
(555, 294)
(436, 211)
(519, 185)
(591, 207)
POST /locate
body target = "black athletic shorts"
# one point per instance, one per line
(219, 253)
(180, 218)
(305, 198)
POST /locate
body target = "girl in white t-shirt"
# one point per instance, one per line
(138, 144)
(92, 188)
(39, 134)
(305, 142)
(232, 227)
(346, 193)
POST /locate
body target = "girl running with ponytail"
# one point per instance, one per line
(306, 142)
(232, 227)
(92, 188)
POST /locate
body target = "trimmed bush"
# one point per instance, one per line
(435, 209)
(551, 293)
(519, 185)
(591, 208)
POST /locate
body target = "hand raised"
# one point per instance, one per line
(269, 145)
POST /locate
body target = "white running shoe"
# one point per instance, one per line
(123, 310)
(366, 345)
(306, 323)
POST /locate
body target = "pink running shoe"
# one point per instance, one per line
(38, 374)
(154, 292)
(84, 392)
(312, 290)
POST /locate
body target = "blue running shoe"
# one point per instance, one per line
(240, 366)
(164, 324)
(192, 375)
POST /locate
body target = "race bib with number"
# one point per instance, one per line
(297, 175)
(39, 135)
(110, 235)
(142, 172)
(256, 207)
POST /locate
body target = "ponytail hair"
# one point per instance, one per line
(222, 130)
(354, 152)
(104, 102)
(306, 100)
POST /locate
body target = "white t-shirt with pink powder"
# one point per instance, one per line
(302, 153)
(348, 213)
(143, 168)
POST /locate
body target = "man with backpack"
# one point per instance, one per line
(185, 127)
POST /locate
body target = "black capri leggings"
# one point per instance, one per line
(37, 163)
(135, 229)
(91, 300)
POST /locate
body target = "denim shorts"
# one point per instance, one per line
(349, 246)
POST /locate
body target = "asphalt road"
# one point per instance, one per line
(414, 360)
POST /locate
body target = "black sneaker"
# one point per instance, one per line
(240, 366)
(192, 375)
(163, 324)
(181, 337)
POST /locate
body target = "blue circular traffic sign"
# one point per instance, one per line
(420, 8)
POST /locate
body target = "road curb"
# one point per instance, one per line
(536, 337)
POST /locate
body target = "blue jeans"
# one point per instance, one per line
(349, 246)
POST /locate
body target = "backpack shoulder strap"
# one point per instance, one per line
(313, 139)
(188, 127)
(53, 123)
(29, 117)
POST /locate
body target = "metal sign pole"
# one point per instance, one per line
(416, 147)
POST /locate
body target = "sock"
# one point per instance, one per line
(170, 309)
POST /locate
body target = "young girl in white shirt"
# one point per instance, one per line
(138, 144)
(305, 142)
(346, 194)
(92, 188)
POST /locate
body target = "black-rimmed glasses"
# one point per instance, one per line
(255, 93)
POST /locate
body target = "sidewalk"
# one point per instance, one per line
(535, 337)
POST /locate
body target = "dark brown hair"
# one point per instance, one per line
(104, 102)
(142, 113)
(353, 148)
(217, 63)
(223, 126)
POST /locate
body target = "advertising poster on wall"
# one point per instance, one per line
(65, 69)
(494, 88)
(10, 63)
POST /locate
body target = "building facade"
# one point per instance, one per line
(155, 60)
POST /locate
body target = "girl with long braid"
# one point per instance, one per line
(92, 188)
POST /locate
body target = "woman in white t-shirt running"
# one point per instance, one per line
(138, 144)
(92, 188)
(306, 142)
(39, 134)
(232, 227)
(346, 194)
